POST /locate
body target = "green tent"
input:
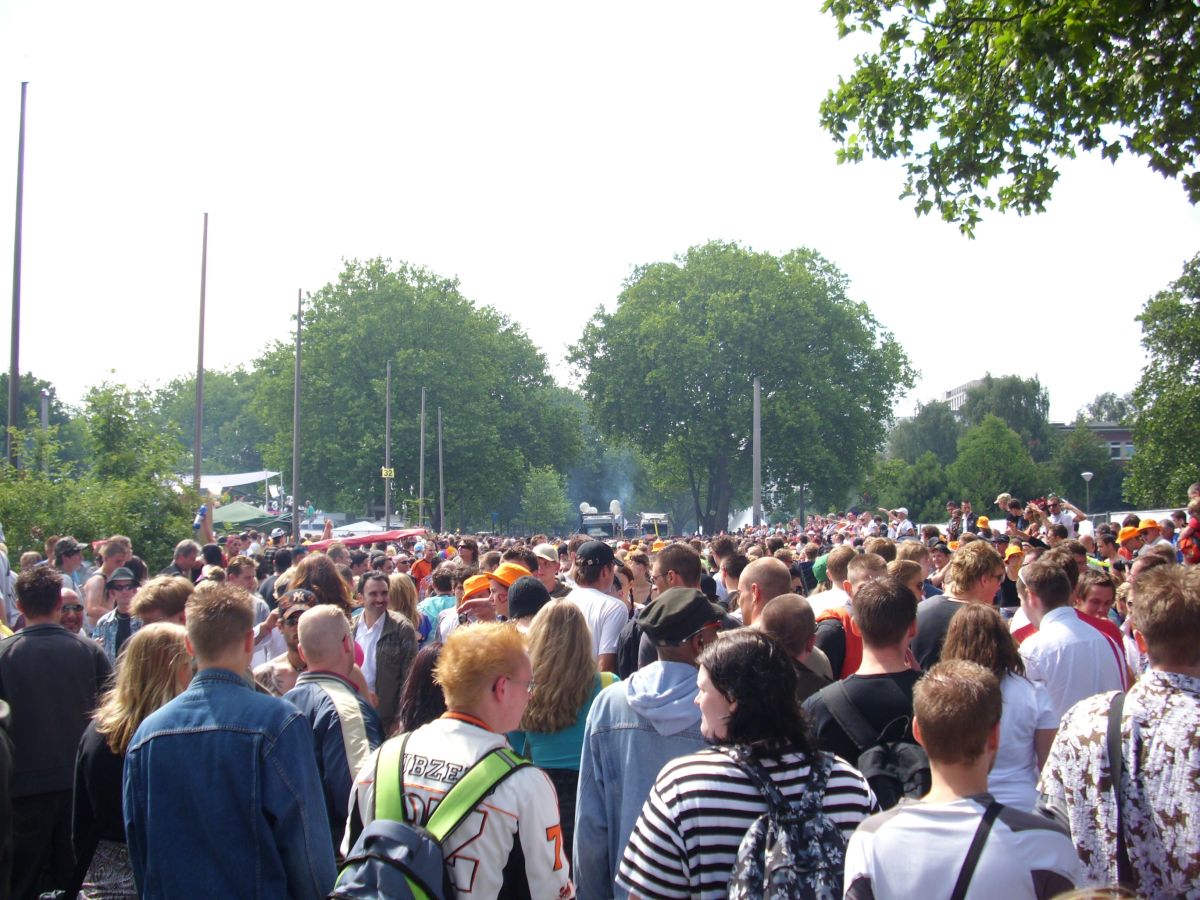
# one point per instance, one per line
(239, 515)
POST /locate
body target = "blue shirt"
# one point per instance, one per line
(222, 797)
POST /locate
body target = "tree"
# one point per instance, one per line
(69, 442)
(670, 371)
(1081, 451)
(544, 503)
(980, 97)
(922, 487)
(1108, 407)
(1166, 432)
(1021, 403)
(232, 433)
(502, 412)
(131, 486)
(934, 429)
(992, 458)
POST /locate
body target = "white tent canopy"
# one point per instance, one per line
(216, 484)
(358, 528)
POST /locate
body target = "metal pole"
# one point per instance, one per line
(387, 451)
(441, 483)
(757, 464)
(421, 468)
(198, 424)
(296, 425)
(45, 427)
(14, 367)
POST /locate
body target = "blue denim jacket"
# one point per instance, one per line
(106, 632)
(222, 797)
(634, 728)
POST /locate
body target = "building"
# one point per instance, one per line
(1117, 438)
(956, 397)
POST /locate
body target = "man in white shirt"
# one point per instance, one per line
(595, 566)
(957, 708)
(1063, 512)
(1070, 657)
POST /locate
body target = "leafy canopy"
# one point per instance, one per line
(934, 429)
(992, 458)
(1021, 403)
(1166, 431)
(980, 97)
(501, 410)
(671, 372)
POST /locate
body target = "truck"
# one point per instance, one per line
(601, 526)
(656, 524)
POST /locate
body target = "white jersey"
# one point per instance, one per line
(1025, 856)
(523, 807)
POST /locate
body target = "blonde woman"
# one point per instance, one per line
(154, 667)
(565, 683)
(402, 598)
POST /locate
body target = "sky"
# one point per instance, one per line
(536, 151)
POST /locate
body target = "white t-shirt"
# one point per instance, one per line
(1025, 856)
(1014, 775)
(1063, 517)
(605, 615)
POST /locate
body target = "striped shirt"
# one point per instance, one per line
(686, 839)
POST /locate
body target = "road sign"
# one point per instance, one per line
(387, 473)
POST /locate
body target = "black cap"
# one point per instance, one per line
(526, 596)
(595, 553)
(677, 614)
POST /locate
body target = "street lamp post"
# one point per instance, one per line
(1087, 484)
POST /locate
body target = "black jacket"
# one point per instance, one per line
(51, 679)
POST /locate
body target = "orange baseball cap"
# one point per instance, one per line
(508, 572)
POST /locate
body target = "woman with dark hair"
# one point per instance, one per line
(318, 573)
(137, 566)
(686, 839)
(422, 700)
(1027, 727)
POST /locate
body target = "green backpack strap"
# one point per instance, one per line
(389, 780)
(469, 790)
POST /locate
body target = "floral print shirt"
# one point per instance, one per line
(1160, 733)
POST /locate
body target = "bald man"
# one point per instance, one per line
(345, 727)
(761, 581)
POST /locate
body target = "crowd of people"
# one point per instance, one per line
(858, 705)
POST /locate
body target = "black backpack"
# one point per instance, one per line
(396, 858)
(791, 851)
(895, 769)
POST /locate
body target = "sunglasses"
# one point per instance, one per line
(293, 619)
(72, 607)
(122, 587)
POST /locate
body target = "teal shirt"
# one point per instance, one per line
(434, 606)
(562, 749)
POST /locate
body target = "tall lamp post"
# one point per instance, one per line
(1087, 484)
